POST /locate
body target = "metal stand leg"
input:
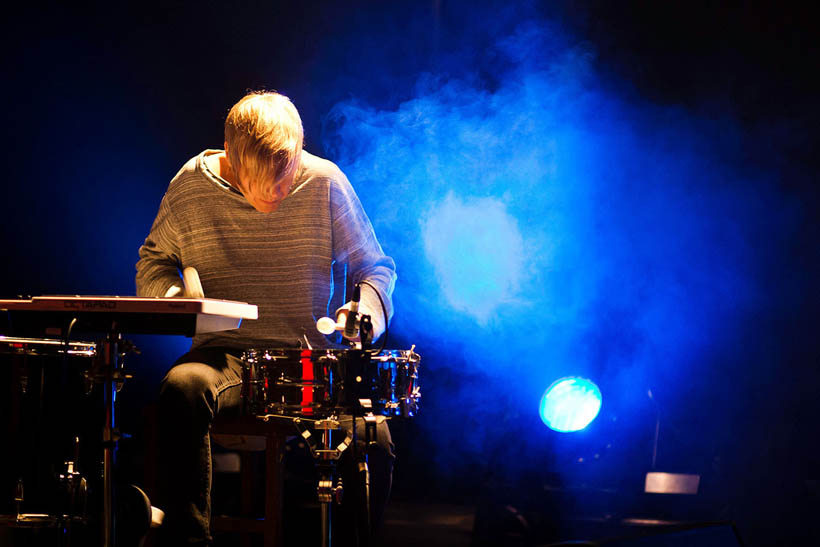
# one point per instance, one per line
(108, 371)
(370, 423)
(110, 364)
(327, 468)
(325, 485)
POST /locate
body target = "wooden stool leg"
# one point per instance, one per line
(273, 492)
(274, 435)
(246, 502)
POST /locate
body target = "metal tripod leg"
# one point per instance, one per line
(325, 499)
(110, 362)
(108, 371)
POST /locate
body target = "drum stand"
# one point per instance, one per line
(326, 454)
(330, 488)
(108, 371)
(326, 458)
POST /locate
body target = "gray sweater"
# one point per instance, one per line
(296, 264)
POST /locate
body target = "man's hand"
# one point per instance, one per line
(341, 320)
(172, 291)
(193, 287)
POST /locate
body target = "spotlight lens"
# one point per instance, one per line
(570, 404)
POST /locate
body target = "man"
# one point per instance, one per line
(267, 223)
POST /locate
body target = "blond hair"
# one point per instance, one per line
(263, 136)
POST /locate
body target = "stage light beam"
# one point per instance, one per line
(570, 404)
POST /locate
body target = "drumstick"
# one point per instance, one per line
(193, 287)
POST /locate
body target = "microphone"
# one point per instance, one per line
(352, 324)
(350, 327)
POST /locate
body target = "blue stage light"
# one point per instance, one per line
(570, 404)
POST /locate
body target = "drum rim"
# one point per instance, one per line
(31, 520)
(58, 346)
(409, 353)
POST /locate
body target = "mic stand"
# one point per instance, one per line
(363, 410)
(361, 459)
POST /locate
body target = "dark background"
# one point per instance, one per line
(103, 103)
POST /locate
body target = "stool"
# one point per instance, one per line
(252, 434)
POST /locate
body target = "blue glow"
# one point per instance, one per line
(540, 214)
(477, 253)
(570, 404)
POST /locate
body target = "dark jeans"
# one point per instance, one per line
(207, 382)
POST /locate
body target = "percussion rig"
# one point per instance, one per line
(123, 513)
(316, 390)
(72, 487)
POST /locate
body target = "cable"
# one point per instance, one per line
(68, 332)
(67, 340)
(64, 373)
(384, 314)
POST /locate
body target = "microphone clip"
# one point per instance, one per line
(365, 331)
(351, 323)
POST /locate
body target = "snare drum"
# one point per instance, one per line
(294, 382)
(318, 383)
(395, 382)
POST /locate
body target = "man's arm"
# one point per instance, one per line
(159, 264)
(355, 243)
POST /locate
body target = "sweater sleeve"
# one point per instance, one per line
(355, 244)
(159, 264)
